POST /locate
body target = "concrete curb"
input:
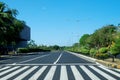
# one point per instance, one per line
(108, 64)
(105, 63)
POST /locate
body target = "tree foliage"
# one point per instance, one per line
(99, 43)
(103, 36)
(10, 27)
(83, 39)
(115, 47)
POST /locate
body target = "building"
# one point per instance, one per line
(25, 36)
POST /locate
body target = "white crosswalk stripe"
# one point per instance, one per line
(50, 73)
(26, 73)
(76, 73)
(4, 68)
(38, 73)
(90, 74)
(102, 73)
(14, 73)
(35, 72)
(4, 72)
(117, 74)
(63, 74)
(117, 70)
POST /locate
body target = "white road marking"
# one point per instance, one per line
(89, 73)
(108, 70)
(4, 68)
(34, 58)
(38, 73)
(51, 64)
(26, 73)
(102, 73)
(50, 74)
(76, 73)
(4, 72)
(63, 74)
(13, 73)
(117, 70)
(58, 58)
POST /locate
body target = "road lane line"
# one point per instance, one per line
(63, 74)
(50, 74)
(38, 73)
(14, 73)
(89, 73)
(58, 58)
(76, 73)
(4, 68)
(34, 58)
(20, 77)
(4, 72)
(114, 73)
(102, 73)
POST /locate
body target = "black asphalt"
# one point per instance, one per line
(6, 59)
(43, 58)
(58, 59)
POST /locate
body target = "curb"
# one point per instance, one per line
(108, 64)
(84, 57)
(105, 63)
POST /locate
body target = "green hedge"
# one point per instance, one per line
(27, 50)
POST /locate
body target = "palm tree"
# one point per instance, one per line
(7, 16)
(9, 25)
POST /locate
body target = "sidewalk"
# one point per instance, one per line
(105, 63)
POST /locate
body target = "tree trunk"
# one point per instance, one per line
(113, 59)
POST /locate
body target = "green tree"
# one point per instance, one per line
(115, 47)
(10, 27)
(83, 39)
(56, 47)
(31, 44)
(102, 37)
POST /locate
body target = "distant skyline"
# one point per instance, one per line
(63, 22)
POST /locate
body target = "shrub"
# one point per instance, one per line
(101, 56)
(93, 52)
(103, 50)
(85, 51)
(11, 53)
(22, 50)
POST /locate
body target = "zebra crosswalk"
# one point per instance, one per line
(58, 72)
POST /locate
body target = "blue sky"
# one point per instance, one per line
(63, 22)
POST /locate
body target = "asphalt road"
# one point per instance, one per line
(58, 65)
